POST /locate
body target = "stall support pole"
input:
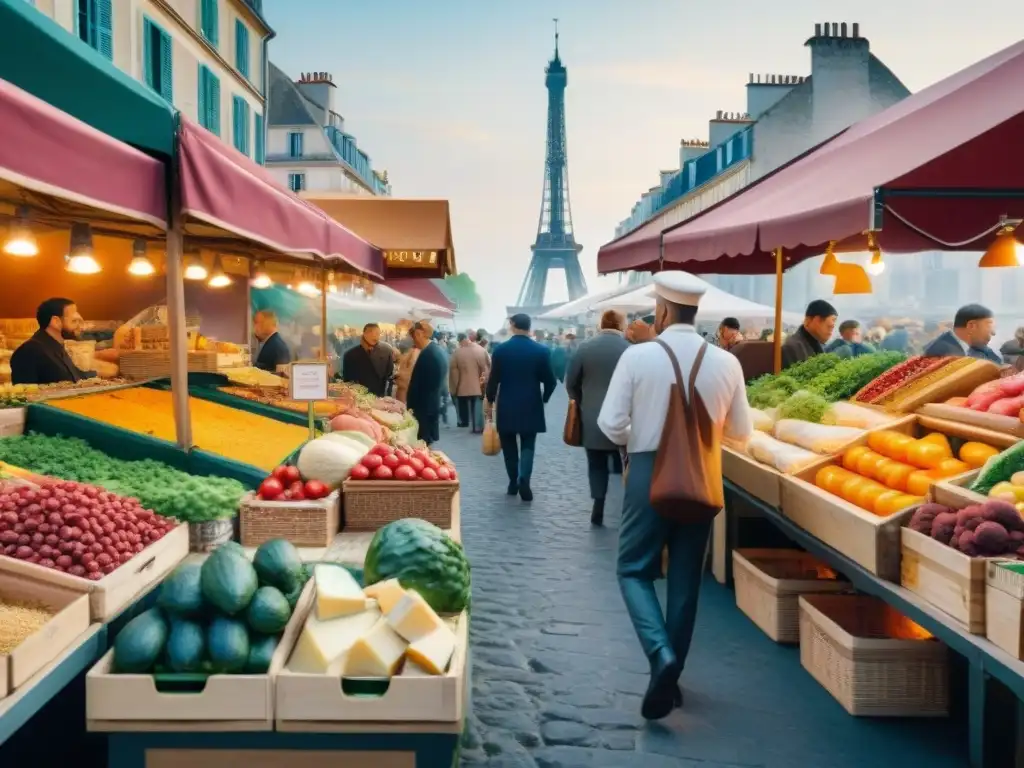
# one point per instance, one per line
(323, 315)
(777, 343)
(176, 328)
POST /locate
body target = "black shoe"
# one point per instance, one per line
(597, 515)
(524, 492)
(513, 489)
(661, 691)
(677, 697)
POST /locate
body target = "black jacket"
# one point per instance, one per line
(43, 360)
(798, 347)
(370, 368)
(429, 378)
(273, 353)
(948, 345)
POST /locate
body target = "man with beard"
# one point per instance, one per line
(43, 359)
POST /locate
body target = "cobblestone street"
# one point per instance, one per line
(558, 673)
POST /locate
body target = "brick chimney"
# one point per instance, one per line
(725, 124)
(765, 91)
(691, 149)
(319, 88)
(840, 60)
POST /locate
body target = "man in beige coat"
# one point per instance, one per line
(469, 365)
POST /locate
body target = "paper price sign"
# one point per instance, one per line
(308, 381)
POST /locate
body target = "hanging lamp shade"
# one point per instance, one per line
(194, 267)
(260, 277)
(850, 279)
(1005, 250)
(219, 278)
(140, 265)
(828, 264)
(21, 241)
(81, 259)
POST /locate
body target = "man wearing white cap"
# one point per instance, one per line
(633, 415)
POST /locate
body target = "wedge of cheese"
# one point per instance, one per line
(386, 593)
(413, 618)
(433, 652)
(324, 643)
(337, 593)
(378, 653)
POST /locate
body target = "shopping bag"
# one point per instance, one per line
(491, 445)
(572, 433)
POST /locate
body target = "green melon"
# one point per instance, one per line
(278, 564)
(422, 557)
(185, 646)
(181, 594)
(261, 651)
(269, 611)
(140, 643)
(227, 642)
(228, 581)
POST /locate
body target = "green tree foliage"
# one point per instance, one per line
(461, 289)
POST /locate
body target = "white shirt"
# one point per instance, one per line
(963, 344)
(634, 409)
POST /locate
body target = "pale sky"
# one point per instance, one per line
(448, 95)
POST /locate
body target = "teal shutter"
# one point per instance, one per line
(240, 118)
(213, 100)
(103, 24)
(242, 48)
(209, 23)
(166, 67)
(259, 155)
(148, 72)
(204, 104)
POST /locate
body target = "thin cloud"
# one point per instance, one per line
(666, 75)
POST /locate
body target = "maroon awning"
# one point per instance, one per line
(641, 246)
(423, 289)
(51, 153)
(228, 194)
(945, 144)
(940, 159)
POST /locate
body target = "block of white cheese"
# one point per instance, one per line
(386, 593)
(378, 653)
(322, 643)
(413, 618)
(337, 592)
(434, 651)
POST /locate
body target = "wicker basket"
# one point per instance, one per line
(303, 523)
(371, 504)
(873, 660)
(207, 536)
(768, 583)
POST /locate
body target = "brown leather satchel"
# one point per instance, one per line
(686, 485)
(572, 433)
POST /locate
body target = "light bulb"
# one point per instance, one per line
(83, 264)
(140, 265)
(260, 278)
(219, 279)
(80, 258)
(21, 241)
(307, 288)
(195, 269)
(875, 267)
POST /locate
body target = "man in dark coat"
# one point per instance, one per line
(370, 363)
(807, 341)
(521, 375)
(590, 371)
(850, 342)
(429, 376)
(43, 359)
(274, 351)
(973, 328)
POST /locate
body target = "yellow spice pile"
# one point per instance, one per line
(19, 620)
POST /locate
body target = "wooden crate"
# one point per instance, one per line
(320, 699)
(155, 364)
(946, 578)
(12, 422)
(768, 583)
(116, 591)
(1003, 425)
(372, 504)
(312, 523)
(1004, 607)
(759, 480)
(956, 491)
(70, 620)
(119, 702)
(869, 540)
(874, 661)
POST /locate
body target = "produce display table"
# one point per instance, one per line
(985, 661)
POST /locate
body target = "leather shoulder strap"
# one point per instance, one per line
(696, 367)
(675, 364)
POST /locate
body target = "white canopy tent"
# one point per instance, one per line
(584, 304)
(716, 304)
(385, 303)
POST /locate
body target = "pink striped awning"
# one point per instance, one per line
(943, 164)
(49, 152)
(223, 189)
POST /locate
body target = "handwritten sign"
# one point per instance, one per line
(308, 381)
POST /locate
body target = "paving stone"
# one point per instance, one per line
(570, 734)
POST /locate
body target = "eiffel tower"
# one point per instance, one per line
(555, 246)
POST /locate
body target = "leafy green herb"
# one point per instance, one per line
(849, 375)
(805, 406)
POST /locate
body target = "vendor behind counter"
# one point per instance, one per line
(43, 359)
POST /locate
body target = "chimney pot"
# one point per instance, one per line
(842, 30)
(817, 30)
(835, 29)
(718, 115)
(856, 29)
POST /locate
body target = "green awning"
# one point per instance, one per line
(44, 59)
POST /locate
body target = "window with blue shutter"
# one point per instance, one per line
(157, 62)
(296, 182)
(295, 144)
(94, 25)
(240, 115)
(209, 24)
(209, 100)
(259, 155)
(242, 48)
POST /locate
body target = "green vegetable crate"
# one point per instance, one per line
(193, 702)
(1004, 604)
(326, 703)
